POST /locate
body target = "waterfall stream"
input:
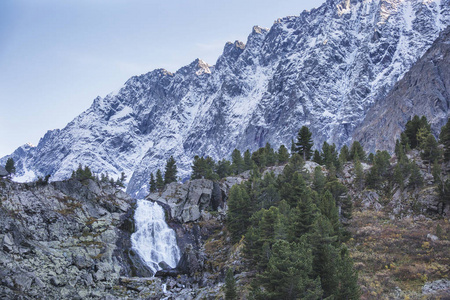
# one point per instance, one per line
(154, 240)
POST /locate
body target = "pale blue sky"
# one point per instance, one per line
(57, 56)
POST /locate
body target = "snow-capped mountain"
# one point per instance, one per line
(424, 91)
(324, 68)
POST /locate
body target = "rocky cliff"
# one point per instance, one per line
(424, 91)
(323, 68)
(65, 240)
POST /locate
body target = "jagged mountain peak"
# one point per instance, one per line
(259, 30)
(197, 67)
(324, 68)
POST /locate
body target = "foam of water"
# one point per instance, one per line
(153, 240)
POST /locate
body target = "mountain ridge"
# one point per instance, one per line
(323, 68)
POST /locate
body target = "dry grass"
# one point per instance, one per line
(392, 254)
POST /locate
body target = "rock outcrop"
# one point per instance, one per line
(64, 240)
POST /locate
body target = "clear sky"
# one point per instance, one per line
(57, 56)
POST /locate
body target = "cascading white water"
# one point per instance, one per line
(154, 240)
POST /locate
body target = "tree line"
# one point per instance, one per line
(293, 233)
(85, 173)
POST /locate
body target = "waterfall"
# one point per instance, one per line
(154, 240)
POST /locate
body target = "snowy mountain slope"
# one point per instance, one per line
(324, 68)
(424, 90)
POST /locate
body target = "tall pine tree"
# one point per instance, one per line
(159, 180)
(348, 277)
(230, 286)
(237, 163)
(238, 215)
(283, 155)
(171, 171)
(10, 167)
(286, 276)
(152, 183)
(304, 143)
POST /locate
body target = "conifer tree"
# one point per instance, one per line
(402, 169)
(267, 194)
(430, 151)
(295, 190)
(381, 159)
(237, 163)
(301, 219)
(223, 168)
(283, 155)
(404, 141)
(230, 286)
(357, 148)
(398, 176)
(317, 158)
(152, 183)
(348, 277)
(346, 211)
(10, 166)
(266, 225)
(325, 255)
(259, 157)
(121, 180)
(344, 155)
(437, 173)
(415, 179)
(327, 207)
(103, 177)
(319, 180)
(248, 162)
(271, 158)
(83, 173)
(159, 180)
(398, 148)
(422, 135)
(359, 173)
(286, 276)
(170, 174)
(373, 178)
(198, 167)
(327, 155)
(336, 188)
(87, 173)
(238, 212)
(304, 143)
(203, 168)
(296, 163)
(412, 128)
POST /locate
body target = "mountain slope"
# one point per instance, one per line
(424, 90)
(323, 69)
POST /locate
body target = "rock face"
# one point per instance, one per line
(63, 240)
(438, 286)
(424, 90)
(323, 68)
(195, 210)
(187, 201)
(3, 172)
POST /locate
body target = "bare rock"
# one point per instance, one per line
(438, 286)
